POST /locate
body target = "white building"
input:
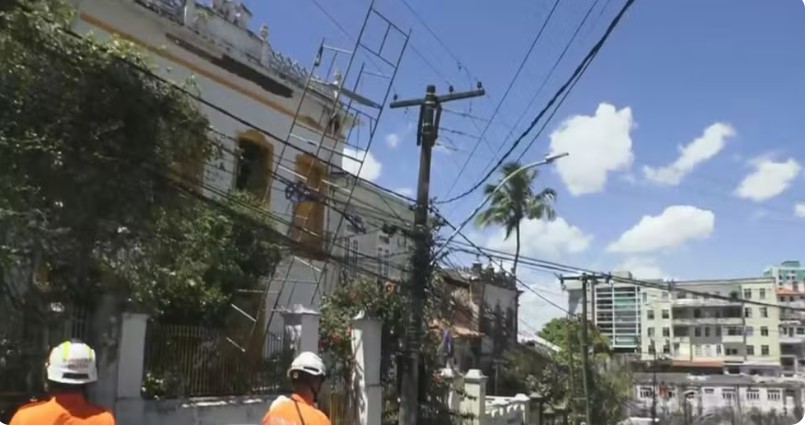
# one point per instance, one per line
(374, 234)
(704, 333)
(723, 396)
(613, 307)
(238, 73)
(789, 277)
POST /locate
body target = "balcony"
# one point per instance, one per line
(733, 358)
(708, 321)
(699, 303)
(791, 340)
(732, 339)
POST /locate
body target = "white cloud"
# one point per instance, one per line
(371, 169)
(706, 146)
(642, 268)
(406, 191)
(673, 227)
(392, 140)
(769, 179)
(540, 238)
(798, 210)
(596, 144)
(534, 312)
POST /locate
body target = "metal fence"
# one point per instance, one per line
(26, 337)
(192, 361)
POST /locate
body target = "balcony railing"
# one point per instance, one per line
(737, 338)
(795, 339)
(705, 302)
(708, 321)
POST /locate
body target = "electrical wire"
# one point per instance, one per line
(150, 74)
(504, 96)
(568, 269)
(549, 74)
(578, 71)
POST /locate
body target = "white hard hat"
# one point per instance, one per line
(308, 362)
(72, 363)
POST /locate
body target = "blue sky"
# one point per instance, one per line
(670, 71)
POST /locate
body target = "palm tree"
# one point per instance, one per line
(514, 201)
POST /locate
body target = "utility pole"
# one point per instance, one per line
(585, 345)
(428, 123)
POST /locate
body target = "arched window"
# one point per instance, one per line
(309, 215)
(253, 171)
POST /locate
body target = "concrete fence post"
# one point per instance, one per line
(366, 342)
(131, 354)
(301, 328)
(473, 403)
(536, 409)
(454, 382)
(523, 402)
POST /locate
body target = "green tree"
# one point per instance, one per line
(610, 388)
(515, 201)
(566, 333)
(95, 188)
(388, 303)
(100, 179)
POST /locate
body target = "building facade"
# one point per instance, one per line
(789, 277)
(698, 332)
(374, 235)
(718, 399)
(243, 83)
(485, 317)
(613, 307)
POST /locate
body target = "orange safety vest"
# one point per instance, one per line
(295, 411)
(69, 408)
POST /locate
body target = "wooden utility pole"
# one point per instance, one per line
(428, 123)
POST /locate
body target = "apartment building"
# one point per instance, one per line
(698, 332)
(789, 277)
(613, 307)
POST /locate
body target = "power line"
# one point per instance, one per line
(551, 71)
(506, 92)
(577, 72)
(569, 269)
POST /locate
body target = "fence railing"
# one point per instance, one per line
(192, 361)
(26, 338)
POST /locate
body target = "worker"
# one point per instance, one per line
(307, 373)
(70, 368)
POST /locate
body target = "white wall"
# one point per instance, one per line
(200, 411)
(711, 398)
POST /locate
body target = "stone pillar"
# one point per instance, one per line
(523, 402)
(474, 402)
(190, 12)
(536, 409)
(104, 339)
(454, 382)
(301, 329)
(366, 342)
(131, 354)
